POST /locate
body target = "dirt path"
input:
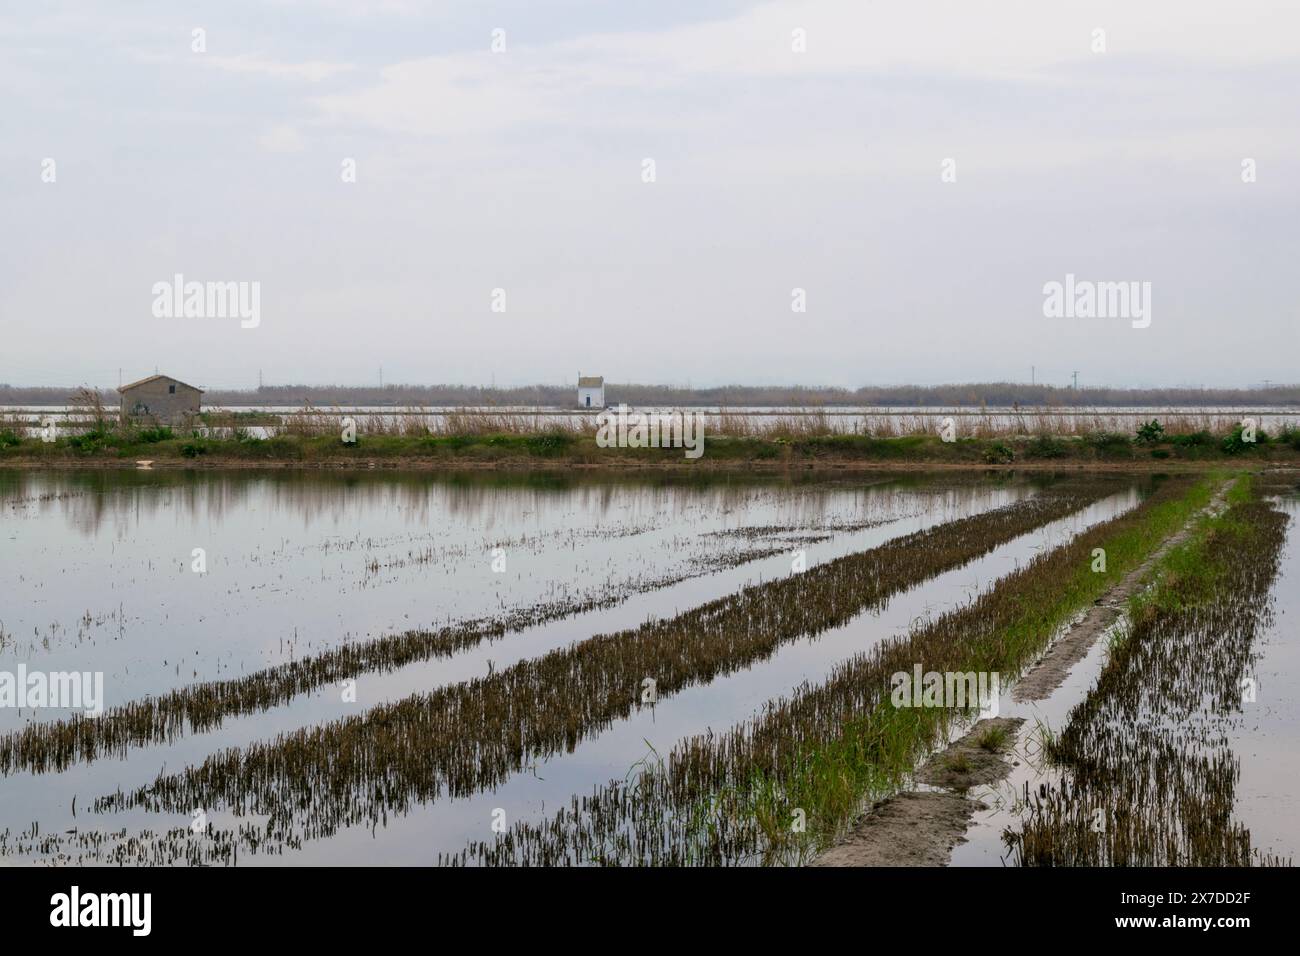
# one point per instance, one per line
(920, 828)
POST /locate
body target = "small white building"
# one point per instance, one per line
(591, 391)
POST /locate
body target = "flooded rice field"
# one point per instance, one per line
(530, 668)
(1173, 742)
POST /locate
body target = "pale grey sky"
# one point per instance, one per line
(775, 170)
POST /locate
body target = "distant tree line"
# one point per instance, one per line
(975, 394)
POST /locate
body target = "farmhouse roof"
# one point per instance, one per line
(590, 381)
(155, 378)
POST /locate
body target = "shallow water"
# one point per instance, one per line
(1264, 740)
(98, 576)
(100, 569)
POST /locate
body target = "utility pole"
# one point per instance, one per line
(1076, 380)
(1032, 375)
(381, 376)
(259, 379)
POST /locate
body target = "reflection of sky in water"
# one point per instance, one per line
(293, 552)
(297, 564)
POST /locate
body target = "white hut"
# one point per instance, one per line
(591, 391)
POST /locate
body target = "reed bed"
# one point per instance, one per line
(1150, 776)
(14, 426)
(791, 424)
(460, 739)
(729, 798)
(310, 422)
(467, 422)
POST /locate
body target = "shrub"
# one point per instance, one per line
(999, 454)
(1150, 433)
(194, 447)
(1234, 444)
(10, 438)
(1045, 446)
(92, 440)
(153, 435)
(551, 443)
(1159, 452)
(276, 446)
(1192, 439)
(1109, 443)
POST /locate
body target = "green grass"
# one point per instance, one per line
(1182, 574)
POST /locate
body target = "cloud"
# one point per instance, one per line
(776, 169)
(628, 80)
(314, 71)
(281, 139)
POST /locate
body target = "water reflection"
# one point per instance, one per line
(98, 574)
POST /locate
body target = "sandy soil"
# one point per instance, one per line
(920, 828)
(911, 829)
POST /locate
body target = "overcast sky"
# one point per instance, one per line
(774, 170)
